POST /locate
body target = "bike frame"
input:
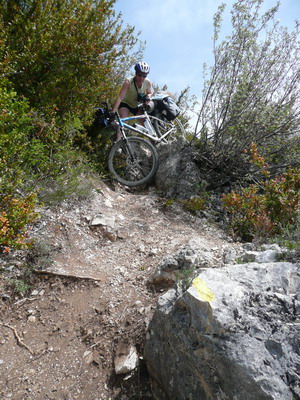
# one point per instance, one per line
(123, 124)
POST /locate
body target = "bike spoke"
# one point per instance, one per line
(133, 162)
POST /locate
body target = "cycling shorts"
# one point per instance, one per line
(131, 109)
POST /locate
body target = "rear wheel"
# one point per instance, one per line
(133, 161)
(179, 127)
(163, 126)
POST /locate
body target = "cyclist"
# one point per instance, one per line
(134, 90)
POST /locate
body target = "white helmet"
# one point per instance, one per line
(142, 67)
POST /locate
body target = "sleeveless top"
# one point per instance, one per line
(131, 95)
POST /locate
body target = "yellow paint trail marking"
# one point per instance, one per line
(205, 293)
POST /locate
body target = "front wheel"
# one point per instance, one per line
(133, 161)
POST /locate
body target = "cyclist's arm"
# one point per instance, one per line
(149, 89)
(148, 92)
(122, 93)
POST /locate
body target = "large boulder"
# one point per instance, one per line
(233, 335)
(178, 175)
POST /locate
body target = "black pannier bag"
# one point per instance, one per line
(100, 120)
(168, 108)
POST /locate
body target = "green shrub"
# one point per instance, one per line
(15, 127)
(25, 151)
(266, 208)
(33, 155)
(15, 214)
(196, 203)
(289, 237)
(22, 283)
(65, 55)
(19, 286)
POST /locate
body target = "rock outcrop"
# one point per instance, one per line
(197, 253)
(233, 335)
(178, 175)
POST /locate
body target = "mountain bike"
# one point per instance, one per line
(133, 160)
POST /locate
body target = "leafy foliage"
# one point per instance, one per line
(29, 149)
(251, 93)
(14, 123)
(62, 54)
(16, 151)
(19, 286)
(266, 208)
(196, 203)
(15, 214)
(58, 60)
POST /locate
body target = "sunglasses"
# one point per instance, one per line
(141, 75)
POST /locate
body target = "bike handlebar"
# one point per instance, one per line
(112, 116)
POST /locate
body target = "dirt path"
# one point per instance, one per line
(95, 260)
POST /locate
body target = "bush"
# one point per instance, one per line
(196, 203)
(266, 208)
(63, 55)
(30, 155)
(15, 127)
(58, 60)
(250, 93)
(15, 214)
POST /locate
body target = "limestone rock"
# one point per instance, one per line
(234, 334)
(126, 359)
(103, 220)
(192, 256)
(177, 175)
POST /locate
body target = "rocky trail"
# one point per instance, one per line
(91, 294)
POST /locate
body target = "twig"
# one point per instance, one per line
(122, 314)
(22, 301)
(19, 341)
(96, 344)
(45, 272)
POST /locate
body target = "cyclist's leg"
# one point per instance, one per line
(124, 111)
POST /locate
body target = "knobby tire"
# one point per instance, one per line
(133, 161)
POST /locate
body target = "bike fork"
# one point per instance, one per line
(127, 149)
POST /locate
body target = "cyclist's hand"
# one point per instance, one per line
(114, 125)
(146, 99)
(112, 116)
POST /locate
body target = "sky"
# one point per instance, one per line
(178, 36)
